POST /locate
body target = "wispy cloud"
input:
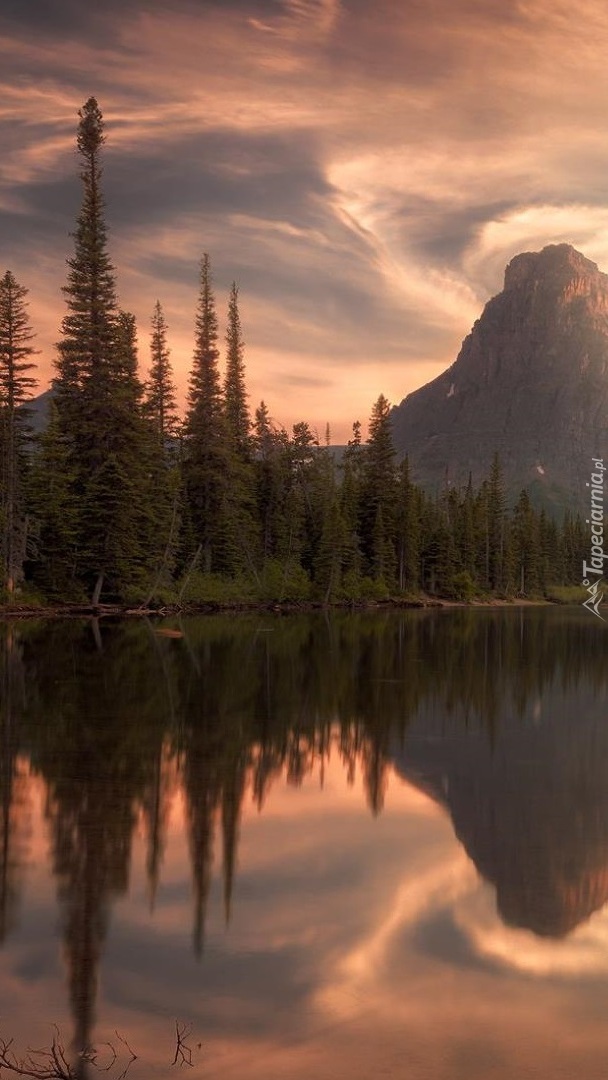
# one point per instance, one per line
(364, 174)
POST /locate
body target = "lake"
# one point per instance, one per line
(348, 846)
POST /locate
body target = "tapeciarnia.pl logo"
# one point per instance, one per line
(595, 567)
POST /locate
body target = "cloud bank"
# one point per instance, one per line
(363, 174)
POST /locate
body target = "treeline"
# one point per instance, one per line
(119, 500)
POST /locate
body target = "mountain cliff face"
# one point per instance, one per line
(530, 381)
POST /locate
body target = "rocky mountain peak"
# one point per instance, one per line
(530, 381)
(556, 267)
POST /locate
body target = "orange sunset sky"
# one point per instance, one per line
(364, 171)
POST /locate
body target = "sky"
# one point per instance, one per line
(363, 171)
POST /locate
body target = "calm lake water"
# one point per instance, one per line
(352, 846)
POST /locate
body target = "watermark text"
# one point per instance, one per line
(593, 570)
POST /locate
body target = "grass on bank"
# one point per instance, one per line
(566, 594)
(283, 584)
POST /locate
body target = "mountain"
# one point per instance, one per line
(37, 410)
(530, 381)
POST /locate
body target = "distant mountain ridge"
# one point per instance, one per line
(530, 381)
(38, 409)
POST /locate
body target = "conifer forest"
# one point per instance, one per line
(119, 500)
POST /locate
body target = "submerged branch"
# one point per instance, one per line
(51, 1062)
(183, 1053)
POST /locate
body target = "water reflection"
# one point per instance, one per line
(13, 784)
(497, 716)
(530, 806)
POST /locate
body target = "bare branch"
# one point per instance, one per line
(131, 1059)
(91, 1055)
(46, 1064)
(51, 1063)
(183, 1053)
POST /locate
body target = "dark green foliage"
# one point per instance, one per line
(16, 383)
(408, 531)
(99, 397)
(205, 445)
(89, 327)
(240, 528)
(575, 547)
(526, 547)
(328, 532)
(302, 523)
(235, 394)
(160, 404)
(496, 503)
(271, 483)
(121, 503)
(55, 512)
(350, 502)
(161, 473)
(378, 506)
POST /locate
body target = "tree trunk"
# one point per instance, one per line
(97, 589)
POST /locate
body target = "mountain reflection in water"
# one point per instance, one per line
(498, 716)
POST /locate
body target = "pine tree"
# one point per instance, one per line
(350, 510)
(89, 328)
(302, 524)
(482, 536)
(496, 525)
(552, 569)
(235, 393)
(205, 451)
(447, 566)
(272, 481)
(438, 554)
(327, 526)
(164, 489)
(574, 545)
(526, 546)
(139, 504)
(462, 531)
(379, 495)
(54, 510)
(160, 402)
(240, 546)
(16, 383)
(98, 393)
(408, 530)
(466, 530)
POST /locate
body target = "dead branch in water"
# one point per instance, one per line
(51, 1062)
(183, 1053)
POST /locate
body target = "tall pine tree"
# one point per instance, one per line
(379, 491)
(235, 394)
(350, 505)
(160, 402)
(165, 494)
(98, 393)
(240, 550)
(408, 530)
(16, 383)
(205, 453)
(272, 482)
(55, 511)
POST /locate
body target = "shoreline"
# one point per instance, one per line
(126, 611)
